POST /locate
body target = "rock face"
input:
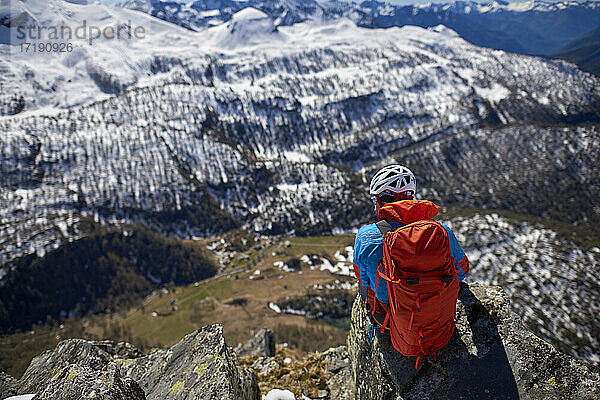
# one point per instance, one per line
(201, 366)
(491, 355)
(76, 382)
(262, 344)
(340, 374)
(94, 356)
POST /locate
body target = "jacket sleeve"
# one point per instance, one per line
(459, 256)
(360, 269)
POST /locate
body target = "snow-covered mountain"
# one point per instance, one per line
(467, 7)
(287, 104)
(197, 15)
(89, 68)
(278, 128)
(33, 79)
(530, 27)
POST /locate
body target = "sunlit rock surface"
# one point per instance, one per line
(200, 366)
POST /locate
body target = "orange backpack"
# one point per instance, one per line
(422, 282)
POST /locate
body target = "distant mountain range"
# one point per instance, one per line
(531, 27)
(584, 51)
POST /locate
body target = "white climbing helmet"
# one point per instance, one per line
(395, 178)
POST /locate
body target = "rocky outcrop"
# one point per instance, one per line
(262, 344)
(201, 366)
(339, 382)
(77, 382)
(491, 355)
(94, 356)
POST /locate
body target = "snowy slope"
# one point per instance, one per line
(110, 66)
(247, 28)
(90, 71)
(197, 15)
(105, 66)
(550, 280)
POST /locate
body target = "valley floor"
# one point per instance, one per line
(242, 298)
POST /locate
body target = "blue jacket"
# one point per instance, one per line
(368, 253)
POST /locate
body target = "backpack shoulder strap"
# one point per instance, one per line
(384, 227)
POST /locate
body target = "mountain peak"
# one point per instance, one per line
(247, 27)
(444, 31)
(249, 14)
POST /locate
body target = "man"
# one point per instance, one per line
(394, 185)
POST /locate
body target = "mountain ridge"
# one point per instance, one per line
(531, 27)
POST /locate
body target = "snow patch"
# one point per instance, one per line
(348, 257)
(249, 14)
(209, 13)
(494, 94)
(342, 267)
(444, 31)
(283, 267)
(21, 397)
(295, 156)
(284, 187)
(275, 308)
(278, 394)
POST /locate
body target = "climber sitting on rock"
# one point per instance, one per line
(409, 266)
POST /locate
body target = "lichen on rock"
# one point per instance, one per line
(93, 355)
(83, 383)
(200, 366)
